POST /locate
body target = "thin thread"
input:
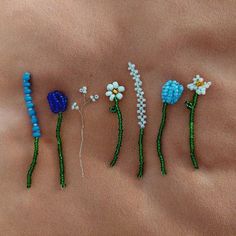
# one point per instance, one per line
(81, 143)
(60, 153)
(141, 158)
(191, 106)
(116, 109)
(33, 163)
(159, 138)
(81, 112)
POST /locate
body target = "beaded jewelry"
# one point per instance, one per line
(200, 87)
(141, 113)
(114, 92)
(35, 126)
(80, 109)
(58, 104)
(171, 93)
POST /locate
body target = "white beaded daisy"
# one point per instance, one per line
(114, 90)
(199, 85)
(141, 111)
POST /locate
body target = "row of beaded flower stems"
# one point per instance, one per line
(34, 120)
(171, 93)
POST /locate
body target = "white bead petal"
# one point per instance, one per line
(112, 97)
(119, 96)
(110, 87)
(108, 93)
(115, 85)
(121, 88)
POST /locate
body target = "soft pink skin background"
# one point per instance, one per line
(68, 44)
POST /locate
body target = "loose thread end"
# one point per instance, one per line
(63, 187)
(28, 187)
(112, 163)
(195, 164)
(163, 172)
(140, 173)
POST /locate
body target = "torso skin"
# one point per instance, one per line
(68, 44)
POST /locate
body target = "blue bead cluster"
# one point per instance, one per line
(172, 91)
(30, 105)
(57, 101)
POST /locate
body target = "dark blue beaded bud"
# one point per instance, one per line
(57, 101)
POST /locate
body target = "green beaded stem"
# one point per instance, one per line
(191, 106)
(116, 109)
(141, 158)
(159, 137)
(60, 154)
(33, 163)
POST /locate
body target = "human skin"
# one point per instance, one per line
(68, 44)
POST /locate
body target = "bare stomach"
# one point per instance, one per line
(66, 45)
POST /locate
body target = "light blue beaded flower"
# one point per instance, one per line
(30, 105)
(172, 91)
(34, 121)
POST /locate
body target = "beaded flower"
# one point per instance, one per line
(171, 93)
(141, 113)
(200, 87)
(36, 133)
(80, 109)
(58, 104)
(114, 92)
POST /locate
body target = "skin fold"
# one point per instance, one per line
(68, 44)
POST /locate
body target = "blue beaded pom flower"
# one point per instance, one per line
(58, 104)
(171, 93)
(36, 133)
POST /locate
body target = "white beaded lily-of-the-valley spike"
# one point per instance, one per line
(141, 111)
(80, 108)
(141, 101)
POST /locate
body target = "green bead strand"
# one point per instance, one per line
(159, 137)
(116, 109)
(33, 163)
(141, 158)
(191, 106)
(60, 153)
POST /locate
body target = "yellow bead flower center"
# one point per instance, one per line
(200, 83)
(115, 91)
